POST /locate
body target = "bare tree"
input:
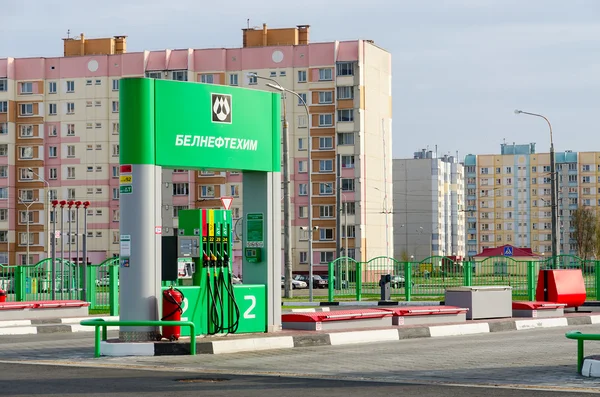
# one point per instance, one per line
(585, 223)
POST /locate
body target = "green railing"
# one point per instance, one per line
(34, 283)
(429, 278)
(101, 333)
(580, 338)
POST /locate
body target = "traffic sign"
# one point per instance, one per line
(226, 201)
(508, 251)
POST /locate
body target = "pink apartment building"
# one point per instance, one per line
(59, 138)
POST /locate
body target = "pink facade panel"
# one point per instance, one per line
(157, 60)
(301, 56)
(210, 60)
(347, 51)
(233, 178)
(86, 66)
(7, 68)
(180, 177)
(132, 64)
(96, 257)
(233, 59)
(348, 172)
(320, 54)
(178, 60)
(348, 196)
(181, 200)
(29, 69)
(263, 58)
(99, 225)
(52, 68)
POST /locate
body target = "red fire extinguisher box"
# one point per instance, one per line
(564, 286)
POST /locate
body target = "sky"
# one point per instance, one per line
(460, 67)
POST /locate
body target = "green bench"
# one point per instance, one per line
(580, 338)
(101, 324)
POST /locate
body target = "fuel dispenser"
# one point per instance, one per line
(204, 244)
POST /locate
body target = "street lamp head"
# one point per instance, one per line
(276, 87)
(252, 74)
(517, 111)
(29, 169)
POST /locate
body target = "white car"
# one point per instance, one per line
(296, 284)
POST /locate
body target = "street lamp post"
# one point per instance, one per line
(46, 204)
(553, 189)
(287, 201)
(27, 206)
(309, 187)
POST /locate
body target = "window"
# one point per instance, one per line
(52, 109)
(26, 109)
(325, 165)
(52, 87)
(3, 192)
(70, 150)
(3, 150)
(88, 82)
(235, 190)
(207, 78)
(326, 257)
(302, 166)
(70, 172)
(3, 85)
(302, 189)
(325, 120)
(53, 194)
(3, 106)
(26, 88)
(301, 76)
(25, 174)
(350, 207)
(98, 125)
(345, 115)
(207, 191)
(70, 86)
(302, 99)
(326, 211)
(115, 171)
(326, 234)
(89, 126)
(303, 257)
(154, 75)
(97, 103)
(349, 231)
(3, 128)
(273, 74)
(345, 138)
(26, 239)
(26, 152)
(70, 107)
(347, 161)
(52, 151)
(115, 128)
(116, 215)
(98, 234)
(325, 188)
(26, 131)
(177, 208)
(233, 79)
(26, 195)
(325, 142)
(180, 75)
(4, 171)
(347, 185)
(115, 85)
(345, 69)
(325, 74)
(3, 214)
(98, 82)
(25, 216)
(181, 189)
(302, 121)
(115, 150)
(325, 97)
(301, 143)
(345, 92)
(282, 73)
(302, 212)
(115, 193)
(252, 79)
(53, 173)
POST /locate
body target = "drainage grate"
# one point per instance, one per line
(202, 380)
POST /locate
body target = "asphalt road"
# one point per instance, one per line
(37, 380)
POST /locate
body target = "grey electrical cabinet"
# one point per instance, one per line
(482, 301)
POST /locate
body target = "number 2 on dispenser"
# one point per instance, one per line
(248, 313)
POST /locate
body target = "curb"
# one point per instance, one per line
(339, 338)
(48, 326)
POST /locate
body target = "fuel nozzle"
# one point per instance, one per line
(213, 259)
(205, 259)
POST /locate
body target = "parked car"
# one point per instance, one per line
(398, 282)
(319, 282)
(7, 285)
(296, 284)
(104, 282)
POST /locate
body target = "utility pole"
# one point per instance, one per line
(27, 206)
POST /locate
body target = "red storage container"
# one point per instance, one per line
(561, 286)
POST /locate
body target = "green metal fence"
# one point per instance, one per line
(429, 278)
(34, 283)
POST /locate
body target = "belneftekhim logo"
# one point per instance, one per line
(221, 108)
